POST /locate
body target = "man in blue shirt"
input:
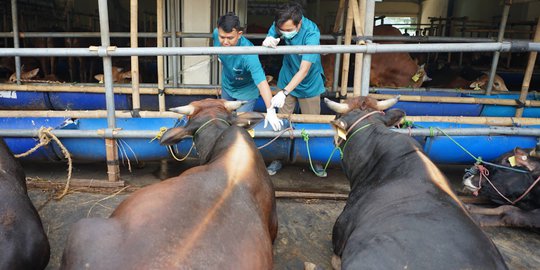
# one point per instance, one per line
(301, 77)
(242, 77)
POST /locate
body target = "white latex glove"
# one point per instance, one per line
(278, 100)
(270, 42)
(272, 118)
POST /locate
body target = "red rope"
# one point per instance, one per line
(484, 172)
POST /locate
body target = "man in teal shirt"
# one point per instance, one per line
(301, 77)
(242, 77)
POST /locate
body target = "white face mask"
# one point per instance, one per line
(290, 34)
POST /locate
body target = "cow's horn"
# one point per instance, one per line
(187, 109)
(233, 105)
(337, 107)
(385, 104)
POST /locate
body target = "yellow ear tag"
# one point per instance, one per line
(512, 161)
(251, 133)
(342, 133)
(416, 77)
(477, 87)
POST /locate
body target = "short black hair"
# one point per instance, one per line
(229, 22)
(291, 11)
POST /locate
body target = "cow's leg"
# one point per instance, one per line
(497, 211)
(336, 262)
(519, 218)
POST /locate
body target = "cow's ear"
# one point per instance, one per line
(248, 120)
(174, 135)
(393, 117)
(339, 124)
(524, 160)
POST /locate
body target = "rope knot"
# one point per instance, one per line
(160, 133)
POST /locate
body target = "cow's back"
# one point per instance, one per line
(392, 69)
(206, 218)
(23, 242)
(402, 214)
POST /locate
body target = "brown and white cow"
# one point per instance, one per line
(23, 242)
(219, 215)
(394, 69)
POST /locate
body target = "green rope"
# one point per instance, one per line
(478, 159)
(305, 136)
(352, 135)
(208, 122)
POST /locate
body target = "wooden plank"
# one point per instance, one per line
(528, 71)
(89, 183)
(346, 56)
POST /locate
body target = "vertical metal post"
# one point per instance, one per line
(160, 60)
(368, 31)
(347, 56)
(496, 55)
(528, 71)
(338, 28)
(173, 42)
(359, 13)
(134, 30)
(14, 20)
(113, 169)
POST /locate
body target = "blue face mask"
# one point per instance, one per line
(290, 34)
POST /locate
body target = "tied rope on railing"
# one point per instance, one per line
(45, 136)
(305, 136)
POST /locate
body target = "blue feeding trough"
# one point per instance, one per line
(443, 150)
(22, 145)
(508, 111)
(429, 108)
(320, 148)
(22, 100)
(92, 149)
(87, 101)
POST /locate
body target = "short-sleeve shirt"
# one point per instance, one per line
(241, 73)
(313, 83)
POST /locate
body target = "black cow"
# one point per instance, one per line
(517, 191)
(401, 213)
(23, 243)
(220, 215)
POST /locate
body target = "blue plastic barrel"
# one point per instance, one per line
(429, 108)
(320, 148)
(22, 100)
(82, 149)
(87, 101)
(280, 149)
(21, 145)
(443, 150)
(508, 111)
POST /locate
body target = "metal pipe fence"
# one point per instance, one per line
(369, 48)
(149, 134)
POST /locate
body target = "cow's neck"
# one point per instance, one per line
(373, 152)
(205, 141)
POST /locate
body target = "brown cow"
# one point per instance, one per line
(394, 69)
(118, 75)
(220, 215)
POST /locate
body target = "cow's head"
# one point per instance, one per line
(481, 83)
(363, 109)
(25, 75)
(420, 76)
(518, 158)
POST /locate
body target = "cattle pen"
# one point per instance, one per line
(130, 116)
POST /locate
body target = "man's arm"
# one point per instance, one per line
(266, 93)
(299, 76)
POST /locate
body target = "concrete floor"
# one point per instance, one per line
(305, 226)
